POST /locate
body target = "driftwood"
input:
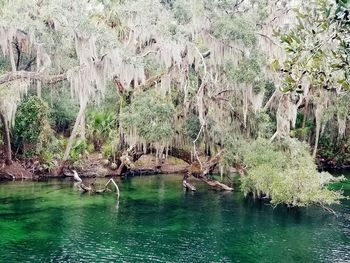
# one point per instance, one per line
(91, 188)
(115, 185)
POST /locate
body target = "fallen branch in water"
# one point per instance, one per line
(91, 188)
(328, 209)
(114, 183)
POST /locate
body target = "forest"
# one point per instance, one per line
(251, 87)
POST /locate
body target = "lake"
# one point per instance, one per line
(154, 220)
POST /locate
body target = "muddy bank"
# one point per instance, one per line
(15, 171)
(93, 166)
(97, 166)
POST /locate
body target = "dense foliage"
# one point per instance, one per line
(32, 129)
(283, 172)
(151, 116)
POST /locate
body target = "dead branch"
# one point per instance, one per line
(91, 188)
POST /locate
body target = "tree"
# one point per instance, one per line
(317, 65)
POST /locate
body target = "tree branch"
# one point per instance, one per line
(48, 79)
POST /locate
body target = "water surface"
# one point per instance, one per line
(156, 221)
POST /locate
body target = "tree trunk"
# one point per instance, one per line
(82, 127)
(38, 88)
(184, 155)
(75, 130)
(305, 114)
(125, 160)
(7, 140)
(44, 78)
(72, 137)
(38, 84)
(207, 167)
(12, 58)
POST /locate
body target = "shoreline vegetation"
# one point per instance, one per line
(109, 88)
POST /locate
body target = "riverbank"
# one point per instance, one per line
(93, 166)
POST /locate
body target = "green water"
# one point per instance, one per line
(156, 221)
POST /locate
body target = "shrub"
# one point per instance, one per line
(80, 149)
(285, 173)
(32, 126)
(101, 126)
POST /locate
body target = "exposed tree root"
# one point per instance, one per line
(59, 168)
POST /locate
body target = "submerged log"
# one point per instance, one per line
(80, 183)
(86, 188)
